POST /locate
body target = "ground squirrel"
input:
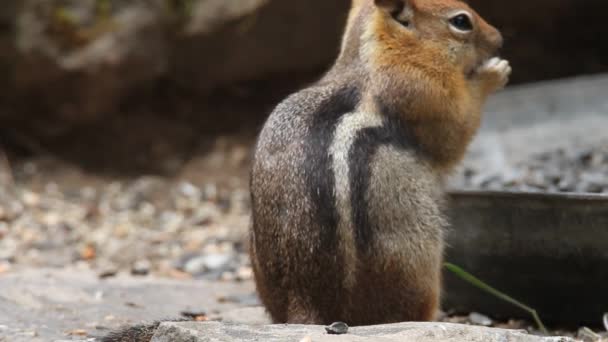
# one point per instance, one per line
(346, 183)
(346, 180)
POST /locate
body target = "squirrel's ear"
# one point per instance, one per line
(400, 10)
(392, 6)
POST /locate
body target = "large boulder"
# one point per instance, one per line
(7, 52)
(266, 37)
(78, 58)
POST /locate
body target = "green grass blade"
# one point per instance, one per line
(485, 287)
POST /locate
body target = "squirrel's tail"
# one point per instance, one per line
(136, 333)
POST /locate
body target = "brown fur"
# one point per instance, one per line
(444, 102)
(346, 180)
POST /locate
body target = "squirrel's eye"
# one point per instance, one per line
(462, 22)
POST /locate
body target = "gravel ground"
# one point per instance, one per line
(143, 225)
(580, 169)
(54, 215)
(72, 303)
(181, 228)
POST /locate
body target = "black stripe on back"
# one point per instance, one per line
(393, 133)
(320, 178)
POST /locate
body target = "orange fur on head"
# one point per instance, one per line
(424, 69)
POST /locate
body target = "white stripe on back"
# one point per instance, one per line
(344, 137)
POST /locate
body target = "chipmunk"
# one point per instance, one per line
(346, 183)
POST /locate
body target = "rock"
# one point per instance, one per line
(189, 190)
(8, 249)
(337, 328)
(210, 192)
(594, 181)
(94, 55)
(5, 267)
(107, 272)
(244, 273)
(8, 51)
(195, 266)
(479, 319)
(211, 263)
(141, 268)
(204, 214)
(217, 261)
(31, 199)
(257, 31)
(80, 58)
(420, 332)
(208, 16)
(55, 301)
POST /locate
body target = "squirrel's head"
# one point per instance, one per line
(438, 29)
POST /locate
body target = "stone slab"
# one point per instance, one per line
(419, 332)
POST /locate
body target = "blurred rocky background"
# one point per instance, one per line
(126, 128)
(99, 81)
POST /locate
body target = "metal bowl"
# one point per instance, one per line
(549, 251)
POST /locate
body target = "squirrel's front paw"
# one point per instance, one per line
(494, 73)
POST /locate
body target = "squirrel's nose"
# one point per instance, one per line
(491, 42)
(496, 39)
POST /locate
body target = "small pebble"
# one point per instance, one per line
(189, 190)
(31, 199)
(3, 230)
(29, 333)
(141, 268)
(211, 192)
(337, 328)
(228, 276)
(98, 296)
(479, 319)
(78, 332)
(216, 261)
(196, 316)
(5, 267)
(88, 252)
(244, 273)
(195, 266)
